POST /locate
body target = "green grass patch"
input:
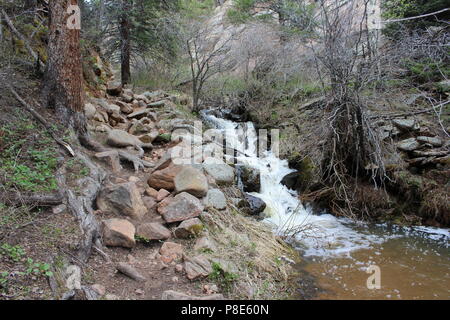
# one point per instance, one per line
(223, 278)
(28, 157)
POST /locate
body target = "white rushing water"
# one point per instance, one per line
(320, 235)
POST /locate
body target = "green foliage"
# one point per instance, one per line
(28, 158)
(237, 17)
(223, 278)
(17, 255)
(76, 169)
(38, 268)
(426, 70)
(240, 13)
(142, 239)
(14, 253)
(398, 9)
(192, 9)
(4, 281)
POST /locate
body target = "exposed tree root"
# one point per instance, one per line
(80, 205)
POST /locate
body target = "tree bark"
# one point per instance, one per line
(63, 79)
(125, 42)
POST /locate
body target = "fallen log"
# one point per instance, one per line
(36, 199)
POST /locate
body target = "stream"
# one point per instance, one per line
(340, 254)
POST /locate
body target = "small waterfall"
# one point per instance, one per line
(322, 235)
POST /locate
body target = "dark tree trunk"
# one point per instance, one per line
(125, 42)
(63, 80)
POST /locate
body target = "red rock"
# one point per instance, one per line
(119, 233)
(171, 251)
(162, 194)
(164, 179)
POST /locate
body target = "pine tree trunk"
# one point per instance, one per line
(125, 42)
(63, 80)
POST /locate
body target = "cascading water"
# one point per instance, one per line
(319, 234)
(414, 262)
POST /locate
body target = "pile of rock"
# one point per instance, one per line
(168, 203)
(421, 146)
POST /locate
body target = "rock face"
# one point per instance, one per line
(408, 144)
(215, 199)
(252, 204)
(164, 179)
(123, 199)
(174, 295)
(118, 233)
(188, 228)
(182, 207)
(251, 179)
(192, 181)
(222, 173)
(197, 267)
(153, 231)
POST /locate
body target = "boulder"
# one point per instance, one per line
(118, 233)
(252, 204)
(141, 127)
(141, 97)
(90, 111)
(291, 180)
(222, 173)
(114, 88)
(197, 267)
(149, 202)
(157, 104)
(120, 138)
(251, 179)
(410, 144)
(153, 231)
(174, 295)
(182, 207)
(123, 199)
(434, 141)
(153, 95)
(188, 228)
(127, 98)
(124, 107)
(164, 178)
(204, 243)
(215, 199)
(171, 251)
(151, 192)
(406, 124)
(162, 194)
(191, 180)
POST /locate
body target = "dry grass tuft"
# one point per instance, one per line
(254, 251)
